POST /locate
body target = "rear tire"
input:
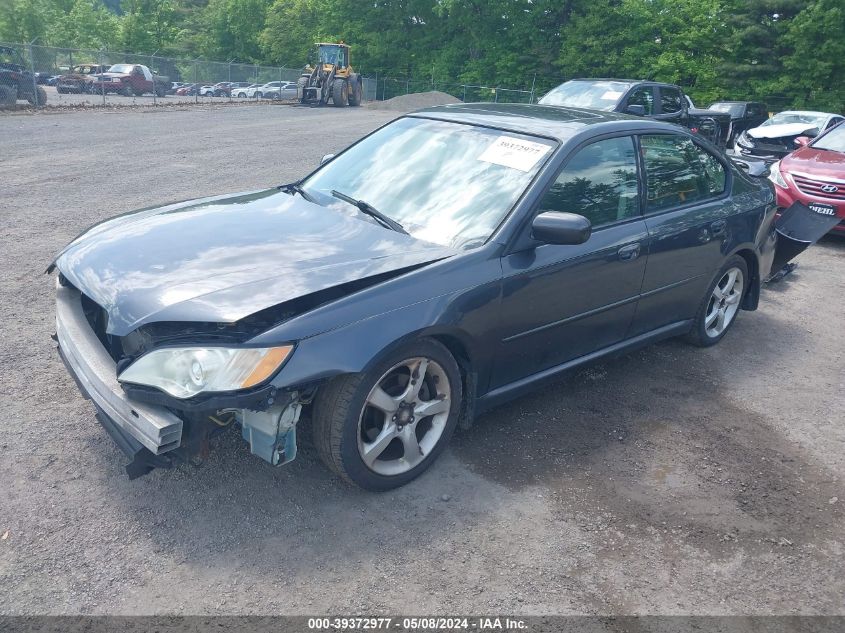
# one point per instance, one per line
(356, 93)
(340, 93)
(721, 303)
(370, 429)
(39, 98)
(8, 97)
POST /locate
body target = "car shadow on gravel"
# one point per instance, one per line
(651, 440)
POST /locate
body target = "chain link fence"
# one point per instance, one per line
(73, 77)
(390, 87)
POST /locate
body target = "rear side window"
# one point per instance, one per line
(644, 96)
(679, 172)
(599, 182)
(670, 100)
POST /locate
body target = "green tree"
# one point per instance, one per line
(816, 64)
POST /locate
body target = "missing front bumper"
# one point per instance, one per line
(155, 428)
(153, 435)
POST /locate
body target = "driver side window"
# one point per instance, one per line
(598, 182)
(643, 96)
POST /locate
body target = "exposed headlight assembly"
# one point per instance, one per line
(776, 176)
(186, 371)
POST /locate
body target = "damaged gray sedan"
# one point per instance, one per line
(451, 260)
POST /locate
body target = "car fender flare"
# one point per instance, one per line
(752, 258)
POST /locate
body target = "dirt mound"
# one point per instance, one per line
(406, 103)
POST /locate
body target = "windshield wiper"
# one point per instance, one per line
(295, 187)
(370, 210)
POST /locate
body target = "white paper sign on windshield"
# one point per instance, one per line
(515, 153)
(611, 95)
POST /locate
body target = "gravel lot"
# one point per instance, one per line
(673, 480)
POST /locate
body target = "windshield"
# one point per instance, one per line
(446, 183)
(809, 118)
(8, 57)
(121, 68)
(328, 54)
(833, 141)
(596, 95)
(734, 109)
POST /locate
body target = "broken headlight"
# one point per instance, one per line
(776, 176)
(186, 371)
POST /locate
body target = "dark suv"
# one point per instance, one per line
(745, 115)
(16, 82)
(663, 102)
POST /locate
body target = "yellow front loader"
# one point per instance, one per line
(331, 78)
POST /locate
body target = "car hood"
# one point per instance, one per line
(221, 259)
(777, 131)
(816, 162)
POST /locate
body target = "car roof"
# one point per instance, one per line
(557, 122)
(810, 112)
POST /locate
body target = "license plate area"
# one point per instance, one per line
(822, 209)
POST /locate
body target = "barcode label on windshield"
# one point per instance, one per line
(515, 153)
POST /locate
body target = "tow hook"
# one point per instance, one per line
(272, 433)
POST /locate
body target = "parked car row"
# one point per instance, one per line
(237, 89)
(803, 152)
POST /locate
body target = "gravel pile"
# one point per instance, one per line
(405, 103)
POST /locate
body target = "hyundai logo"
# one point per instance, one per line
(830, 188)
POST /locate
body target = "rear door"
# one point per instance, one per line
(560, 301)
(687, 212)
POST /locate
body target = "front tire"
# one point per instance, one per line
(340, 93)
(721, 303)
(384, 427)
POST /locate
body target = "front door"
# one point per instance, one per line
(561, 302)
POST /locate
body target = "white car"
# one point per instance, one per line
(244, 91)
(776, 136)
(273, 90)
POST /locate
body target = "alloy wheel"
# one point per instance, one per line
(404, 416)
(724, 302)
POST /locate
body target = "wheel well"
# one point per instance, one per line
(752, 294)
(468, 377)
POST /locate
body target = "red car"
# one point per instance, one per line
(815, 176)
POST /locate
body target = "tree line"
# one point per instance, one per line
(789, 50)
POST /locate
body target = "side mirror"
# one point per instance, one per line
(326, 158)
(802, 141)
(553, 227)
(638, 110)
(813, 132)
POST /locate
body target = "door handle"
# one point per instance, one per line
(632, 251)
(718, 227)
